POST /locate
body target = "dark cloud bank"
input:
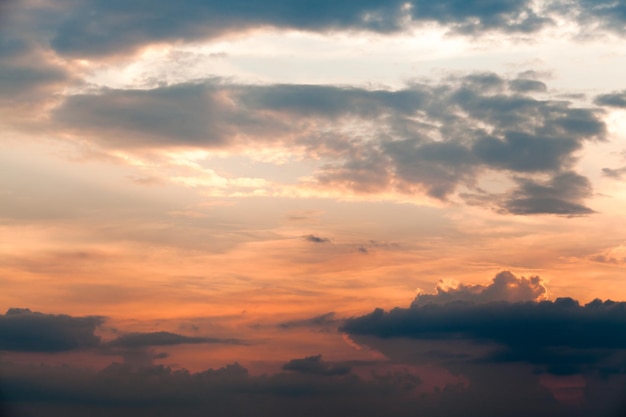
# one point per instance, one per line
(22, 330)
(505, 338)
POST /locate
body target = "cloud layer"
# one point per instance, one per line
(98, 28)
(22, 330)
(424, 139)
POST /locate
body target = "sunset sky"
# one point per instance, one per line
(371, 207)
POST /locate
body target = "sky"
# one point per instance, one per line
(371, 207)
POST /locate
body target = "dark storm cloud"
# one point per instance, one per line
(559, 337)
(25, 331)
(138, 340)
(314, 365)
(425, 138)
(617, 99)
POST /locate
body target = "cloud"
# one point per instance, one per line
(617, 174)
(315, 239)
(607, 14)
(30, 79)
(516, 343)
(563, 194)
(504, 287)
(617, 99)
(523, 85)
(232, 391)
(136, 340)
(505, 318)
(24, 331)
(428, 139)
(184, 114)
(314, 365)
(229, 390)
(322, 320)
(97, 28)
(615, 255)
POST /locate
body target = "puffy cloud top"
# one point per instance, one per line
(504, 287)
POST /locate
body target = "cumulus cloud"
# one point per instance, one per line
(505, 286)
(512, 325)
(26, 331)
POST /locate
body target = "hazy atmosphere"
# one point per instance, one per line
(305, 208)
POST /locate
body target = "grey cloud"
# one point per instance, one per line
(99, 27)
(314, 365)
(505, 286)
(617, 99)
(523, 85)
(315, 239)
(617, 174)
(138, 340)
(560, 195)
(28, 78)
(187, 114)
(438, 167)
(25, 331)
(558, 337)
(607, 259)
(607, 14)
(423, 138)
(322, 320)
